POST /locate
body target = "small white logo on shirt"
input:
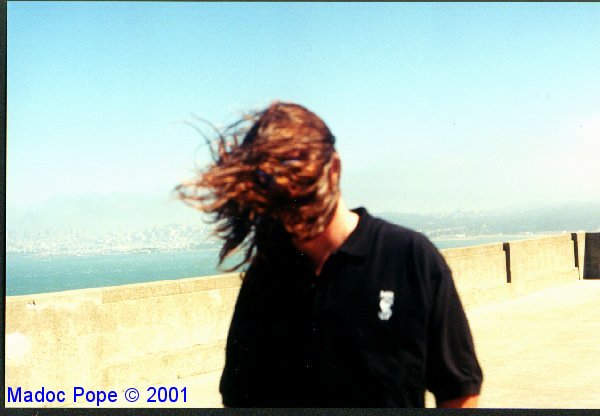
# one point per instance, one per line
(386, 300)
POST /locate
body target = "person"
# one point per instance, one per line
(337, 308)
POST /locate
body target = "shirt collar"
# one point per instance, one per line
(358, 242)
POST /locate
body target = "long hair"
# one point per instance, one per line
(273, 186)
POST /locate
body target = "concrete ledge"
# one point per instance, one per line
(450, 253)
(119, 336)
(157, 368)
(479, 273)
(154, 325)
(168, 287)
(542, 262)
(45, 334)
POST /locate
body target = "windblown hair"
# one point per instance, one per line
(275, 184)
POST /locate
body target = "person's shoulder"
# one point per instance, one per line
(414, 248)
(403, 236)
(409, 249)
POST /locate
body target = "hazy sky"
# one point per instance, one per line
(435, 106)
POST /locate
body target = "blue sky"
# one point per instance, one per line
(436, 106)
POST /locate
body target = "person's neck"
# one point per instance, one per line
(339, 228)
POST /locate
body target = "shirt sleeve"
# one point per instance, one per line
(453, 370)
(242, 363)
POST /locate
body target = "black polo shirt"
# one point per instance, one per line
(380, 325)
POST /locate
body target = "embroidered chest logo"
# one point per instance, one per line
(386, 300)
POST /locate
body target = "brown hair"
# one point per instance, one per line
(273, 185)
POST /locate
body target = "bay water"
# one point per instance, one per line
(27, 274)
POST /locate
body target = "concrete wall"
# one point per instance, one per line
(152, 333)
(479, 273)
(541, 262)
(130, 335)
(500, 271)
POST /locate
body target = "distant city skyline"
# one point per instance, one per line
(436, 107)
(52, 234)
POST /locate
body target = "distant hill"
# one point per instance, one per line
(555, 218)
